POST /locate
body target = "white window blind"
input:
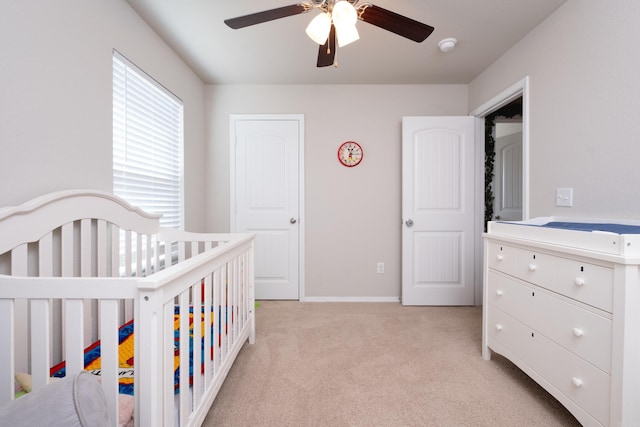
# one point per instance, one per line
(147, 143)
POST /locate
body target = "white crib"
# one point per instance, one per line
(76, 265)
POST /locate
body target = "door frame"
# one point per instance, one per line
(233, 118)
(518, 89)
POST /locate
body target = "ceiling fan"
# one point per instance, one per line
(336, 23)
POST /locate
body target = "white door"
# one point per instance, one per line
(438, 210)
(265, 199)
(507, 186)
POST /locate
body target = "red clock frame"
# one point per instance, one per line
(354, 156)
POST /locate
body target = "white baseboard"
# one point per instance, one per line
(350, 299)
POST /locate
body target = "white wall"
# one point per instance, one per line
(56, 96)
(353, 216)
(583, 64)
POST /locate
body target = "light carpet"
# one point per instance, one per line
(376, 364)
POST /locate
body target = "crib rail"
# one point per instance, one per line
(220, 277)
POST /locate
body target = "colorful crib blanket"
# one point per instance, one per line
(125, 351)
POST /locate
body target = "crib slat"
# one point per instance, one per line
(149, 256)
(86, 249)
(101, 248)
(127, 253)
(74, 332)
(45, 256)
(233, 303)
(115, 251)
(197, 342)
(7, 358)
(66, 250)
(208, 318)
(217, 357)
(45, 267)
(109, 353)
(184, 356)
(168, 343)
(19, 267)
(86, 254)
(182, 251)
(138, 255)
(40, 347)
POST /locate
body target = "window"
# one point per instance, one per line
(147, 143)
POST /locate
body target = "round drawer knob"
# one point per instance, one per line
(577, 382)
(499, 257)
(579, 281)
(578, 332)
(499, 292)
(498, 327)
(532, 267)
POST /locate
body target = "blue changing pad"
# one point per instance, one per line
(584, 226)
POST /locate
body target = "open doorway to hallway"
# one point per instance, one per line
(504, 163)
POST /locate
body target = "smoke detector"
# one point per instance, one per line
(447, 45)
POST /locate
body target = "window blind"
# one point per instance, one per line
(147, 143)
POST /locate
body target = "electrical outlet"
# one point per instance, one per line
(381, 267)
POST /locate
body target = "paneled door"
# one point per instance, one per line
(265, 198)
(507, 187)
(438, 209)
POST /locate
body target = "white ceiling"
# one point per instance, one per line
(279, 52)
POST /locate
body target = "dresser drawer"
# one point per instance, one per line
(578, 380)
(588, 283)
(501, 258)
(580, 331)
(510, 296)
(509, 332)
(535, 267)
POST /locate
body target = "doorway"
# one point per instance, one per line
(518, 90)
(503, 163)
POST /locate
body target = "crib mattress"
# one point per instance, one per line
(607, 236)
(126, 371)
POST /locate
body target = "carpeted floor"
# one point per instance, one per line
(376, 364)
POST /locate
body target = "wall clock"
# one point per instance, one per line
(350, 154)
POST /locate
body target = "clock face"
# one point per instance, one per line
(350, 154)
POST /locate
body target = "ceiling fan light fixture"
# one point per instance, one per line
(346, 34)
(344, 17)
(344, 14)
(319, 28)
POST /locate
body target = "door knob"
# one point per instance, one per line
(293, 220)
(409, 222)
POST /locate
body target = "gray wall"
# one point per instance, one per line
(583, 65)
(353, 217)
(56, 97)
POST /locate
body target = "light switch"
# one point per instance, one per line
(564, 197)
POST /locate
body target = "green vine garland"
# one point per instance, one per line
(489, 159)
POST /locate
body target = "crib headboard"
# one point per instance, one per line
(81, 223)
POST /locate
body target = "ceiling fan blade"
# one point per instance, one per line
(266, 16)
(327, 51)
(391, 21)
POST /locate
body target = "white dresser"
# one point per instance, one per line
(564, 306)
